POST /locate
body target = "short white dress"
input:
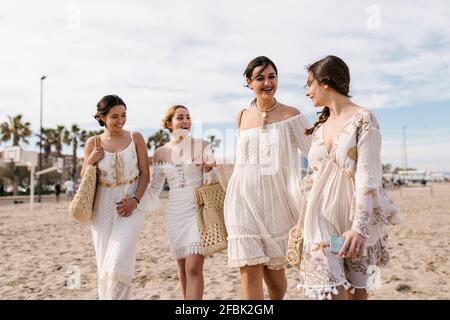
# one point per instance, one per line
(346, 194)
(181, 212)
(263, 196)
(115, 237)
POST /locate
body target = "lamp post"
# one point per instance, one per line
(40, 142)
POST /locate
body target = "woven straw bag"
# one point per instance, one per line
(210, 218)
(80, 208)
(296, 240)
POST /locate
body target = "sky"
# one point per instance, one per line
(158, 53)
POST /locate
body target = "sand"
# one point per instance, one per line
(43, 252)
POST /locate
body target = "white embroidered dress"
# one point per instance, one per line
(346, 194)
(115, 237)
(262, 201)
(181, 212)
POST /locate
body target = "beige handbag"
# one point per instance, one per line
(81, 207)
(295, 241)
(210, 218)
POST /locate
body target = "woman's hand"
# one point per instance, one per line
(353, 246)
(126, 206)
(207, 164)
(96, 155)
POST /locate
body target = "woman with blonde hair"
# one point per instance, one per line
(185, 162)
(344, 239)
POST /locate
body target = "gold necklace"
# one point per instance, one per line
(265, 112)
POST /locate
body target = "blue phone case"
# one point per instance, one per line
(336, 244)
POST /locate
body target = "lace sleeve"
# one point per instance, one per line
(297, 133)
(368, 172)
(150, 200)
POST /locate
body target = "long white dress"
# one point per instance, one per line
(262, 201)
(115, 237)
(181, 212)
(346, 194)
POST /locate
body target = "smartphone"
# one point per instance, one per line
(336, 243)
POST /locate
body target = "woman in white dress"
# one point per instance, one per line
(346, 198)
(185, 162)
(122, 162)
(262, 199)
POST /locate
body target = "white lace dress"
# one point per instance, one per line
(263, 196)
(346, 194)
(181, 212)
(115, 237)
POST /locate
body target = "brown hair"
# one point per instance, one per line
(105, 104)
(331, 71)
(258, 62)
(169, 115)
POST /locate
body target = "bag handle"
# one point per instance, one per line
(303, 205)
(97, 143)
(240, 118)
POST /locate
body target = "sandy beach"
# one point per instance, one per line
(44, 250)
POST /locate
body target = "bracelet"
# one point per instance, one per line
(136, 199)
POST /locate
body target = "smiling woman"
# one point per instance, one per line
(261, 203)
(123, 178)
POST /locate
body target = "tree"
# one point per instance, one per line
(72, 138)
(213, 143)
(386, 168)
(58, 139)
(15, 129)
(158, 139)
(85, 135)
(48, 136)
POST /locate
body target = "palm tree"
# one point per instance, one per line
(85, 135)
(58, 137)
(16, 130)
(72, 138)
(213, 143)
(158, 139)
(48, 136)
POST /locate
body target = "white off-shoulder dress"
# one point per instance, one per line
(263, 196)
(346, 194)
(181, 212)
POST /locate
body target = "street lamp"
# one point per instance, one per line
(40, 142)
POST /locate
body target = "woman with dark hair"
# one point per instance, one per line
(185, 162)
(122, 161)
(261, 204)
(346, 198)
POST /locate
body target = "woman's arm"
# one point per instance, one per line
(128, 205)
(144, 171)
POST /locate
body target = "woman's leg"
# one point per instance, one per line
(251, 282)
(182, 275)
(342, 295)
(360, 294)
(276, 283)
(194, 277)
